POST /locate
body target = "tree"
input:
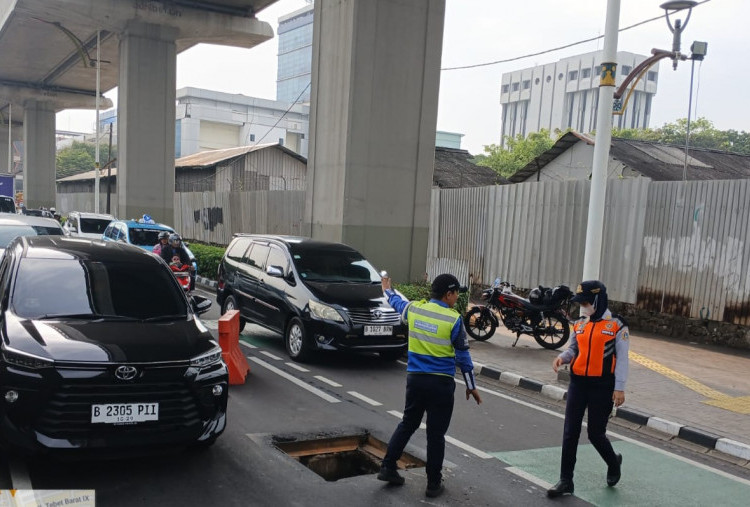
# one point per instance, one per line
(79, 157)
(703, 134)
(518, 152)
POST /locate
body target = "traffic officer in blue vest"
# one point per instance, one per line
(437, 342)
(598, 358)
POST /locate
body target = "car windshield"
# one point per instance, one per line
(86, 289)
(9, 232)
(343, 266)
(7, 205)
(94, 225)
(144, 237)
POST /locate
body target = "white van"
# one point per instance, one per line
(87, 225)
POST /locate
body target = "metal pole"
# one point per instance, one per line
(10, 141)
(595, 224)
(96, 156)
(690, 110)
(109, 169)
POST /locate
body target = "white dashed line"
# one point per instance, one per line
(399, 415)
(364, 398)
(327, 381)
(277, 358)
(466, 447)
(245, 344)
(297, 367)
(294, 380)
(531, 478)
(399, 361)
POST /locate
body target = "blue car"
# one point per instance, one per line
(145, 234)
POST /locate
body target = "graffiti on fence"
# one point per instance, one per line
(209, 217)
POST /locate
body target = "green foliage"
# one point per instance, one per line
(703, 134)
(208, 258)
(517, 152)
(79, 157)
(421, 290)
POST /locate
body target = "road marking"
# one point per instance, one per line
(364, 398)
(297, 367)
(531, 478)
(617, 435)
(19, 474)
(399, 361)
(454, 441)
(295, 380)
(248, 345)
(265, 353)
(327, 381)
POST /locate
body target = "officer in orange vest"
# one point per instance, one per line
(598, 358)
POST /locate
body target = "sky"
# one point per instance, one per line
(481, 31)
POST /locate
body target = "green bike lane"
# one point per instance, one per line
(528, 445)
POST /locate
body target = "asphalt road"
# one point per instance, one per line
(503, 452)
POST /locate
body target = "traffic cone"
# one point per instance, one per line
(229, 341)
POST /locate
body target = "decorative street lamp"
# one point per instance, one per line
(679, 26)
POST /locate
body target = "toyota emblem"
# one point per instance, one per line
(126, 372)
(377, 314)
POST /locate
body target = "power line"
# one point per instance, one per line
(558, 48)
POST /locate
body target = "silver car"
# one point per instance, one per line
(12, 226)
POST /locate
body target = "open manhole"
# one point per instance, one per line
(345, 456)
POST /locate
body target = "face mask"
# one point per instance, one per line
(587, 311)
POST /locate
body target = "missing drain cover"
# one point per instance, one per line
(345, 456)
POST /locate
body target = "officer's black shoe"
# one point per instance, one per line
(390, 476)
(563, 487)
(434, 490)
(613, 473)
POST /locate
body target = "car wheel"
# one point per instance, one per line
(295, 341)
(231, 304)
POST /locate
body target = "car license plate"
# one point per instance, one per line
(123, 413)
(378, 330)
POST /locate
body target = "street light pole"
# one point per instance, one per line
(96, 149)
(595, 223)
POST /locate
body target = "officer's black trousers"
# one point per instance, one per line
(424, 393)
(596, 395)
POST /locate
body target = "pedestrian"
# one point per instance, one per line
(598, 358)
(437, 342)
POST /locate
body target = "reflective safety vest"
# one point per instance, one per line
(430, 327)
(596, 347)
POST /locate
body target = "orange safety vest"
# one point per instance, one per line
(596, 348)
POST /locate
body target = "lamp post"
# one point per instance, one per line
(678, 26)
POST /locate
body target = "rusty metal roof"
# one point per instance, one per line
(454, 169)
(210, 158)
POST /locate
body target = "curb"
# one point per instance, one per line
(672, 429)
(205, 282)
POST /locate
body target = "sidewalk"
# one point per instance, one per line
(697, 392)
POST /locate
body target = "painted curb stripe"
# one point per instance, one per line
(633, 416)
(699, 437)
(531, 384)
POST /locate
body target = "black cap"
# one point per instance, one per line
(587, 291)
(446, 282)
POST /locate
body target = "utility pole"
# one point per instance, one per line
(595, 224)
(98, 91)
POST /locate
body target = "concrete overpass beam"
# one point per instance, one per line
(375, 82)
(39, 154)
(146, 113)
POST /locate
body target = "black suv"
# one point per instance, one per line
(102, 350)
(319, 295)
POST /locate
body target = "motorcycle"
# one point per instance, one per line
(544, 315)
(182, 274)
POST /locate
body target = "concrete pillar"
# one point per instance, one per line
(38, 154)
(375, 83)
(146, 122)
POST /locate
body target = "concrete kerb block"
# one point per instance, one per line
(733, 448)
(699, 437)
(531, 384)
(490, 372)
(554, 392)
(664, 426)
(512, 379)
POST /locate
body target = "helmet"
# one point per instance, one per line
(174, 239)
(164, 235)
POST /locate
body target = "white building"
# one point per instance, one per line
(565, 94)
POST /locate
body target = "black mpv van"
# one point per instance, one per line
(318, 295)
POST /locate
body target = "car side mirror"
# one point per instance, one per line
(275, 271)
(200, 304)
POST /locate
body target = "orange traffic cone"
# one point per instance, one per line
(229, 341)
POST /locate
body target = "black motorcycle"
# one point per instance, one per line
(544, 315)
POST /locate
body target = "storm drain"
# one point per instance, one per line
(339, 457)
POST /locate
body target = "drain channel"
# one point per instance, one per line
(335, 458)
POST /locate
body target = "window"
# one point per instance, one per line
(515, 86)
(527, 84)
(536, 81)
(652, 75)
(257, 255)
(559, 76)
(585, 73)
(237, 250)
(549, 78)
(505, 88)
(281, 141)
(626, 70)
(252, 137)
(572, 75)
(598, 70)
(277, 258)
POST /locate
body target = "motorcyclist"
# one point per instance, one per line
(174, 248)
(163, 241)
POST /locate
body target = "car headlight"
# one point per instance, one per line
(323, 311)
(207, 358)
(24, 360)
